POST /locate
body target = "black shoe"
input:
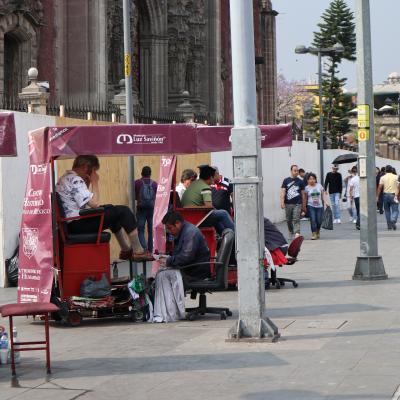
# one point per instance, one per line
(358, 227)
(390, 227)
(394, 226)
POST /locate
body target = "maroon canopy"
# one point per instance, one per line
(144, 139)
(8, 144)
(36, 244)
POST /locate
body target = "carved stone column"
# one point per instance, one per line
(185, 108)
(33, 95)
(120, 100)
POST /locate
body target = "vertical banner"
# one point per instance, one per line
(8, 142)
(167, 168)
(35, 276)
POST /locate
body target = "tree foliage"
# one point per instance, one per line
(337, 26)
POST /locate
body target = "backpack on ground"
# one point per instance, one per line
(147, 195)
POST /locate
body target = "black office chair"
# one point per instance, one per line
(219, 282)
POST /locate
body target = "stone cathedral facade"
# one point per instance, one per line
(177, 45)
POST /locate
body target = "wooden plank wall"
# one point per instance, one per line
(114, 171)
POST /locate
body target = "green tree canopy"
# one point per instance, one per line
(337, 26)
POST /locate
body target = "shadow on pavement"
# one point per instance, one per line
(343, 334)
(103, 366)
(322, 309)
(345, 283)
(306, 395)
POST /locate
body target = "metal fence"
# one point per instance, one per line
(13, 104)
(98, 112)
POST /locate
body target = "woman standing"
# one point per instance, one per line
(313, 202)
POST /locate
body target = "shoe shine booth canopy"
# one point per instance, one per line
(36, 252)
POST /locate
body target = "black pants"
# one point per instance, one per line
(115, 218)
(357, 204)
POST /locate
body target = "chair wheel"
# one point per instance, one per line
(229, 313)
(223, 315)
(295, 284)
(191, 317)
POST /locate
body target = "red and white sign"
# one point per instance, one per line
(167, 167)
(36, 245)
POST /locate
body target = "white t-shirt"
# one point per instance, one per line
(73, 192)
(355, 185)
(180, 189)
(314, 195)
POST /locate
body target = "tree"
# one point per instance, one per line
(292, 98)
(337, 26)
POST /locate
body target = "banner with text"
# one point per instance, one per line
(167, 168)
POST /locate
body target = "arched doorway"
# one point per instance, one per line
(18, 52)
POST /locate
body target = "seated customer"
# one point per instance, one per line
(73, 189)
(187, 177)
(190, 248)
(274, 238)
(198, 195)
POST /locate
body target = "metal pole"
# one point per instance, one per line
(321, 120)
(246, 145)
(369, 264)
(128, 90)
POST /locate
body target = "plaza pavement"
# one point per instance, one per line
(340, 341)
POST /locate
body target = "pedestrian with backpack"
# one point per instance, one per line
(145, 192)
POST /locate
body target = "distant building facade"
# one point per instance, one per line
(177, 45)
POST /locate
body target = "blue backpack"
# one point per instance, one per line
(147, 195)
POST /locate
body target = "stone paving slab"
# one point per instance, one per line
(340, 341)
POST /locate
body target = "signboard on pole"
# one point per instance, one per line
(363, 116)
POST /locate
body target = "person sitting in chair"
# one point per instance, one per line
(190, 248)
(198, 195)
(73, 190)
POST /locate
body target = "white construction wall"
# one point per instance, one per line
(13, 175)
(276, 166)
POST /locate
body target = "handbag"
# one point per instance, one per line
(327, 219)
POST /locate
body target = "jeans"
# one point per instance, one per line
(335, 201)
(316, 214)
(220, 220)
(379, 204)
(351, 209)
(391, 209)
(145, 215)
(357, 204)
(293, 212)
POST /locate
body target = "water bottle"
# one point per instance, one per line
(4, 349)
(17, 355)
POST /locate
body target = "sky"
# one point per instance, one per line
(298, 19)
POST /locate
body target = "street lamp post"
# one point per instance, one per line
(320, 51)
(126, 8)
(369, 264)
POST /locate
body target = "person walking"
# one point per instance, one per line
(355, 193)
(292, 190)
(388, 185)
(145, 192)
(313, 202)
(379, 203)
(349, 202)
(334, 186)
